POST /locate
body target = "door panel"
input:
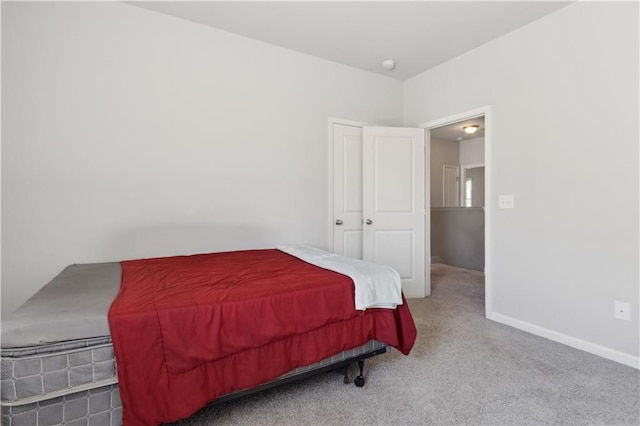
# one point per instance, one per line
(352, 175)
(393, 193)
(347, 190)
(450, 188)
(395, 248)
(393, 180)
(352, 244)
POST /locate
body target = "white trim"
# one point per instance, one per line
(345, 122)
(472, 166)
(478, 112)
(427, 212)
(331, 121)
(488, 176)
(592, 348)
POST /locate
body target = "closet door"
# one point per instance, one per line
(347, 190)
(393, 203)
(379, 200)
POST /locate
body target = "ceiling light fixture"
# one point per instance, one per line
(471, 129)
(388, 64)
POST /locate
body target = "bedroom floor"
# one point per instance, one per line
(464, 369)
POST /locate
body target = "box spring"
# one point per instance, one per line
(75, 382)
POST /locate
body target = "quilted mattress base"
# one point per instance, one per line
(75, 383)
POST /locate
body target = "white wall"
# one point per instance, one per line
(128, 133)
(442, 153)
(471, 152)
(570, 247)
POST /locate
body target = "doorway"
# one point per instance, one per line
(464, 231)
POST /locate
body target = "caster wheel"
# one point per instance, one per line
(346, 380)
(359, 381)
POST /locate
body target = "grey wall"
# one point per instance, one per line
(442, 152)
(569, 249)
(457, 236)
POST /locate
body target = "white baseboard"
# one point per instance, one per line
(592, 348)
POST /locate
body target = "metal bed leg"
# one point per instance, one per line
(359, 380)
(345, 372)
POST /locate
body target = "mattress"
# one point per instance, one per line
(33, 374)
(57, 360)
(72, 306)
(100, 406)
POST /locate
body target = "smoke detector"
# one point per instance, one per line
(388, 64)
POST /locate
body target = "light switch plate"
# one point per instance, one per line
(506, 201)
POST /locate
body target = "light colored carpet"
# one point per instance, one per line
(464, 369)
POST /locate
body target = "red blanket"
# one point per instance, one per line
(189, 329)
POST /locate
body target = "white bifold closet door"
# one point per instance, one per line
(347, 191)
(379, 199)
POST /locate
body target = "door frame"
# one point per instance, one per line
(463, 178)
(488, 196)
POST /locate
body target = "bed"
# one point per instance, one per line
(58, 357)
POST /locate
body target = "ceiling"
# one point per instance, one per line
(417, 35)
(455, 133)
